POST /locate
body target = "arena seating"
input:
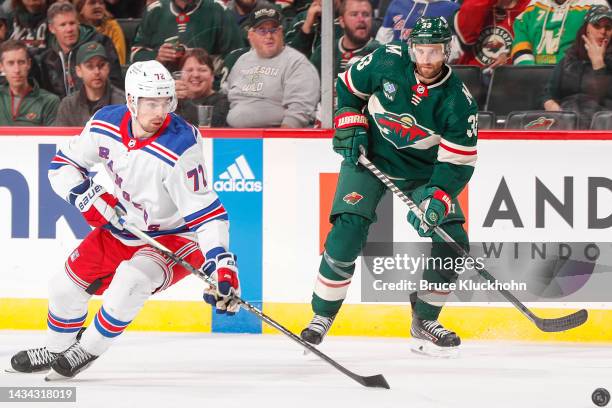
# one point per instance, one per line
(542, 120)
(602, 120)
(515, 88)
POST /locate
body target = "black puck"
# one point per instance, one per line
(600, 397)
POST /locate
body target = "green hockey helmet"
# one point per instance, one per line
(430, 31)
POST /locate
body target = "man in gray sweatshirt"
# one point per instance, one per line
(272, 85)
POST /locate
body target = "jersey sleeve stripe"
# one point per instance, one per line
(61, 160)
(218, 214)
(457, 148)
(346, 79)
(455, 156)
(212, 207)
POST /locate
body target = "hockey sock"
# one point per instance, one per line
(131, 286)
(430, 302)
(342, 246)
(67, 312)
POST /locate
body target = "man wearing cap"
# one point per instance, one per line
(272, 85)
(22, 102)
(96, 90)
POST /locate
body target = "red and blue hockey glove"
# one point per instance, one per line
(97, 205)
(435, 205)
(224, 271)
(351, 132)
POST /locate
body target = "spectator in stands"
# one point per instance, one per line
(95, 92)
(241, 9)
(196, 88)
(169, 27)
(290, 8)
(58, 61)
(272, 84)
(22, 102)
(484, 28)
(4, 26)
(356, 42)
(28, 23)
(94, 13)
(305, 32)
(582, 80)
(401, 16)
(547, 28)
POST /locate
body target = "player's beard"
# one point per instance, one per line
(429, 73)
(358, 41)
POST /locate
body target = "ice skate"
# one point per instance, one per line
(317, 329)
(32, 361)
(70, 363)
(429, 337)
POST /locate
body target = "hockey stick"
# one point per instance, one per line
(370, 381)
(546, 325)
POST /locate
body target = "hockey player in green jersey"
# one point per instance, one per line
(418, 123)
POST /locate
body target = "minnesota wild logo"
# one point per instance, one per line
(401, 130)
(540, 123)
(389, 89)
(352, 198)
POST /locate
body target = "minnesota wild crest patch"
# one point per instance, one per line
(352, 198)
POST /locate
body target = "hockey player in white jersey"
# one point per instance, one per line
(155, 160)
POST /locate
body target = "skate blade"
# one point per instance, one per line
(55, 376)
(426, 348)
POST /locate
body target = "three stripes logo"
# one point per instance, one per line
(238, 177)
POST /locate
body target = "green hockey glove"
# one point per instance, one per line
(435, 205)
(351, 132)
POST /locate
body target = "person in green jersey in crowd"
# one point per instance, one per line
(418, 124)
(171, 26)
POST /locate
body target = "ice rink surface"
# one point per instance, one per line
(150, 370)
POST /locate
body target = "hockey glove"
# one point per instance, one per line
(351, 132)
(224, 271)
(97, 205)
(435, 205)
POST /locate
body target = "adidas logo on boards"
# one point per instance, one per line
(238, 177)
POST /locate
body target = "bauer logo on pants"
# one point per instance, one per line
(238, 177)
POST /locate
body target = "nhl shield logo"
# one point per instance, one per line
(352, 198)
(132, 143)
(389, 90)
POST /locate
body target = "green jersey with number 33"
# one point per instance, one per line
(417, 131)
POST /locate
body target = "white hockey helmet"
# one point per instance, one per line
(148, 79)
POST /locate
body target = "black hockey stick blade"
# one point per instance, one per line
(374, 381)
(562, 323)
